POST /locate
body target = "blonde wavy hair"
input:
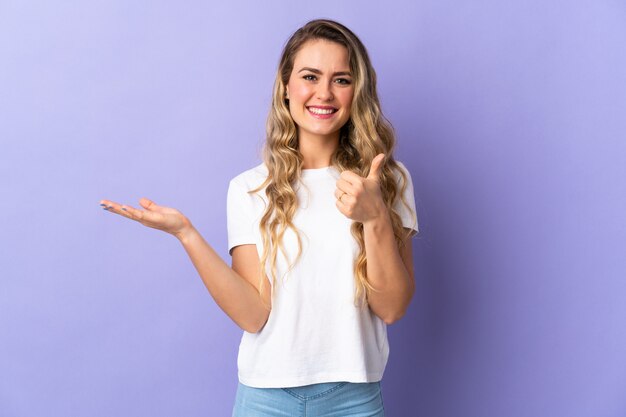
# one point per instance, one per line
(366, 134)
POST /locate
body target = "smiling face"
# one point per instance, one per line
(320, 90)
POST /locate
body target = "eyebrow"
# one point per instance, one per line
(316, 71)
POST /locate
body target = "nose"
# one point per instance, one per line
(324, 92)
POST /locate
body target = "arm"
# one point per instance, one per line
(234, 294)
(234, 290)
(388, 270)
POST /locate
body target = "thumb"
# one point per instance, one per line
(375, 167)
(148, 204)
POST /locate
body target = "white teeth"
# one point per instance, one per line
(320, 111)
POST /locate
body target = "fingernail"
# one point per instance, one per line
(102, 204)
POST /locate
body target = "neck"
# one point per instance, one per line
(317, 150)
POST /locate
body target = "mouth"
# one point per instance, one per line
(325, 112)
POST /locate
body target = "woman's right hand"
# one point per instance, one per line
(158, 217)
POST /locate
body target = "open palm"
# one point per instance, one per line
(168, 219)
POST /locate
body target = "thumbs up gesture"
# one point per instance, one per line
(359, 198)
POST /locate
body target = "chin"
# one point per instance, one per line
(324, 132)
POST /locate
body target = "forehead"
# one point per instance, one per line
(322, 54)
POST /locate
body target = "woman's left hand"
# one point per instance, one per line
(359, 198)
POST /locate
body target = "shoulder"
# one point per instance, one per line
(251, 178)
(399, 170)
(401, 166)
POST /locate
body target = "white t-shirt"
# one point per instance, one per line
(314, 332)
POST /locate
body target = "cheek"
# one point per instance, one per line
(346, 99)
(299, 91)
(303, 92)
(346, 94)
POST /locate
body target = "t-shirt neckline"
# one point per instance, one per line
(315, 172)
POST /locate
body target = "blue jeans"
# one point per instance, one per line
(329, 399)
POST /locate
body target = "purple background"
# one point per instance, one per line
(511, 117)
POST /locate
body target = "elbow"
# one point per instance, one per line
(393, 318)
(255, 327)
(251, 328)
(391, 305)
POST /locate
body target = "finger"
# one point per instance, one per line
(108, 204)
(375, 167)
(116, 208)
(344, 198)
(104, 204)
(132, 212)
(151, 206)
(351, 177)
(342, 207)
(345, 186)
(340, 204)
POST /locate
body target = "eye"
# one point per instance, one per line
(344, 81)
(309, 77)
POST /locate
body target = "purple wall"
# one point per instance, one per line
(510, 117)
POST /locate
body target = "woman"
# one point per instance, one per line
(319, 234)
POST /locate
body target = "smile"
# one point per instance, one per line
(320, 113)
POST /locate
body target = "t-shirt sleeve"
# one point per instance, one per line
(239, 216)
(408, 215)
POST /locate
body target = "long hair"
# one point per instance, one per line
(366, 134)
